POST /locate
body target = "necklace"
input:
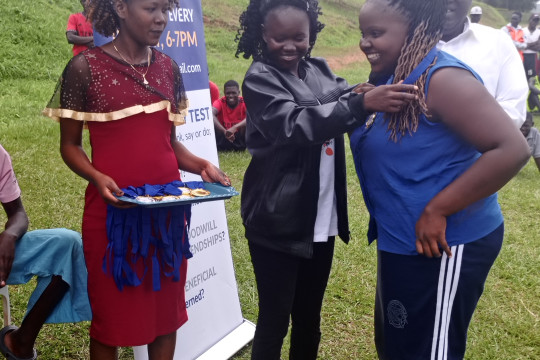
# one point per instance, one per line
(133, 67)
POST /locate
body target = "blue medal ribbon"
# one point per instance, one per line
(135, 234)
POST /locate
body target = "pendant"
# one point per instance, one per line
(145, 82)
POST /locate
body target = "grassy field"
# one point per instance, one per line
(33, 52)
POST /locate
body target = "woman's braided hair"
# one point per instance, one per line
(249, 36)
(102, 15)
(425, 30)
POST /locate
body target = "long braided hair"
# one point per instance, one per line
(103, 15)
(250, 35)
(425, 30)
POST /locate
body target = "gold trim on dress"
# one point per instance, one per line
(176, 118)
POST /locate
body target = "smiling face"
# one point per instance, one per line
(384, 31)
(286, 34)
(456, 16)
(143, 20)
(231, 95)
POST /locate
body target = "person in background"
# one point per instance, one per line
(515, 31)
(79, 31)
(533, 138)
(533, 100)
(131, 97)
(439, 168)
(294, 195)
(531, 35)
(230, 119)
(55, 256)
(476, 14)
(214, 91)
(491, 54)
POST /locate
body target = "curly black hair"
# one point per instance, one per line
(103, 15)
(250, 36)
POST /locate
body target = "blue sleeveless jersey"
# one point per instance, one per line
(398, 179)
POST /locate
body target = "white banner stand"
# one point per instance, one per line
(216, 329)
(231, 343)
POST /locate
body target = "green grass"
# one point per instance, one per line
(33, 52)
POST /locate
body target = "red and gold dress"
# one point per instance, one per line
(130, 126)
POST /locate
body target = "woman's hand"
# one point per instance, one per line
(109, 191)
(431, 235)
(388, 98)
(211, 173)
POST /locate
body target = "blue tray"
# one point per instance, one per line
(217, 192)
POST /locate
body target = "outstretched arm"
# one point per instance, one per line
(281, 118)
(386, 98)
(16, 226)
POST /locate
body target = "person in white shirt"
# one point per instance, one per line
(531, 34)
(491, 54)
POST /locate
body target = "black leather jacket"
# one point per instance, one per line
(288, 120)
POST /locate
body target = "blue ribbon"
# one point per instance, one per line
(156, 236)
(161, 190)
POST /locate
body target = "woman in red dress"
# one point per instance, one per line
(131, 97)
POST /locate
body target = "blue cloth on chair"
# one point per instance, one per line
(48, 252)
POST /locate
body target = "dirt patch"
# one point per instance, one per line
(344, 60)
(218, 23)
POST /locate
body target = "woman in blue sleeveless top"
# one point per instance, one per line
(429, 175)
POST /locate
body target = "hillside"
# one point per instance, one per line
(33, 43)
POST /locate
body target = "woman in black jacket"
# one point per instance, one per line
(294, 199)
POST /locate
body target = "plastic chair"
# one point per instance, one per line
(6, 306)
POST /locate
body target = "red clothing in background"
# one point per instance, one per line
(78, 23)
(214, 92)
(227, 116)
